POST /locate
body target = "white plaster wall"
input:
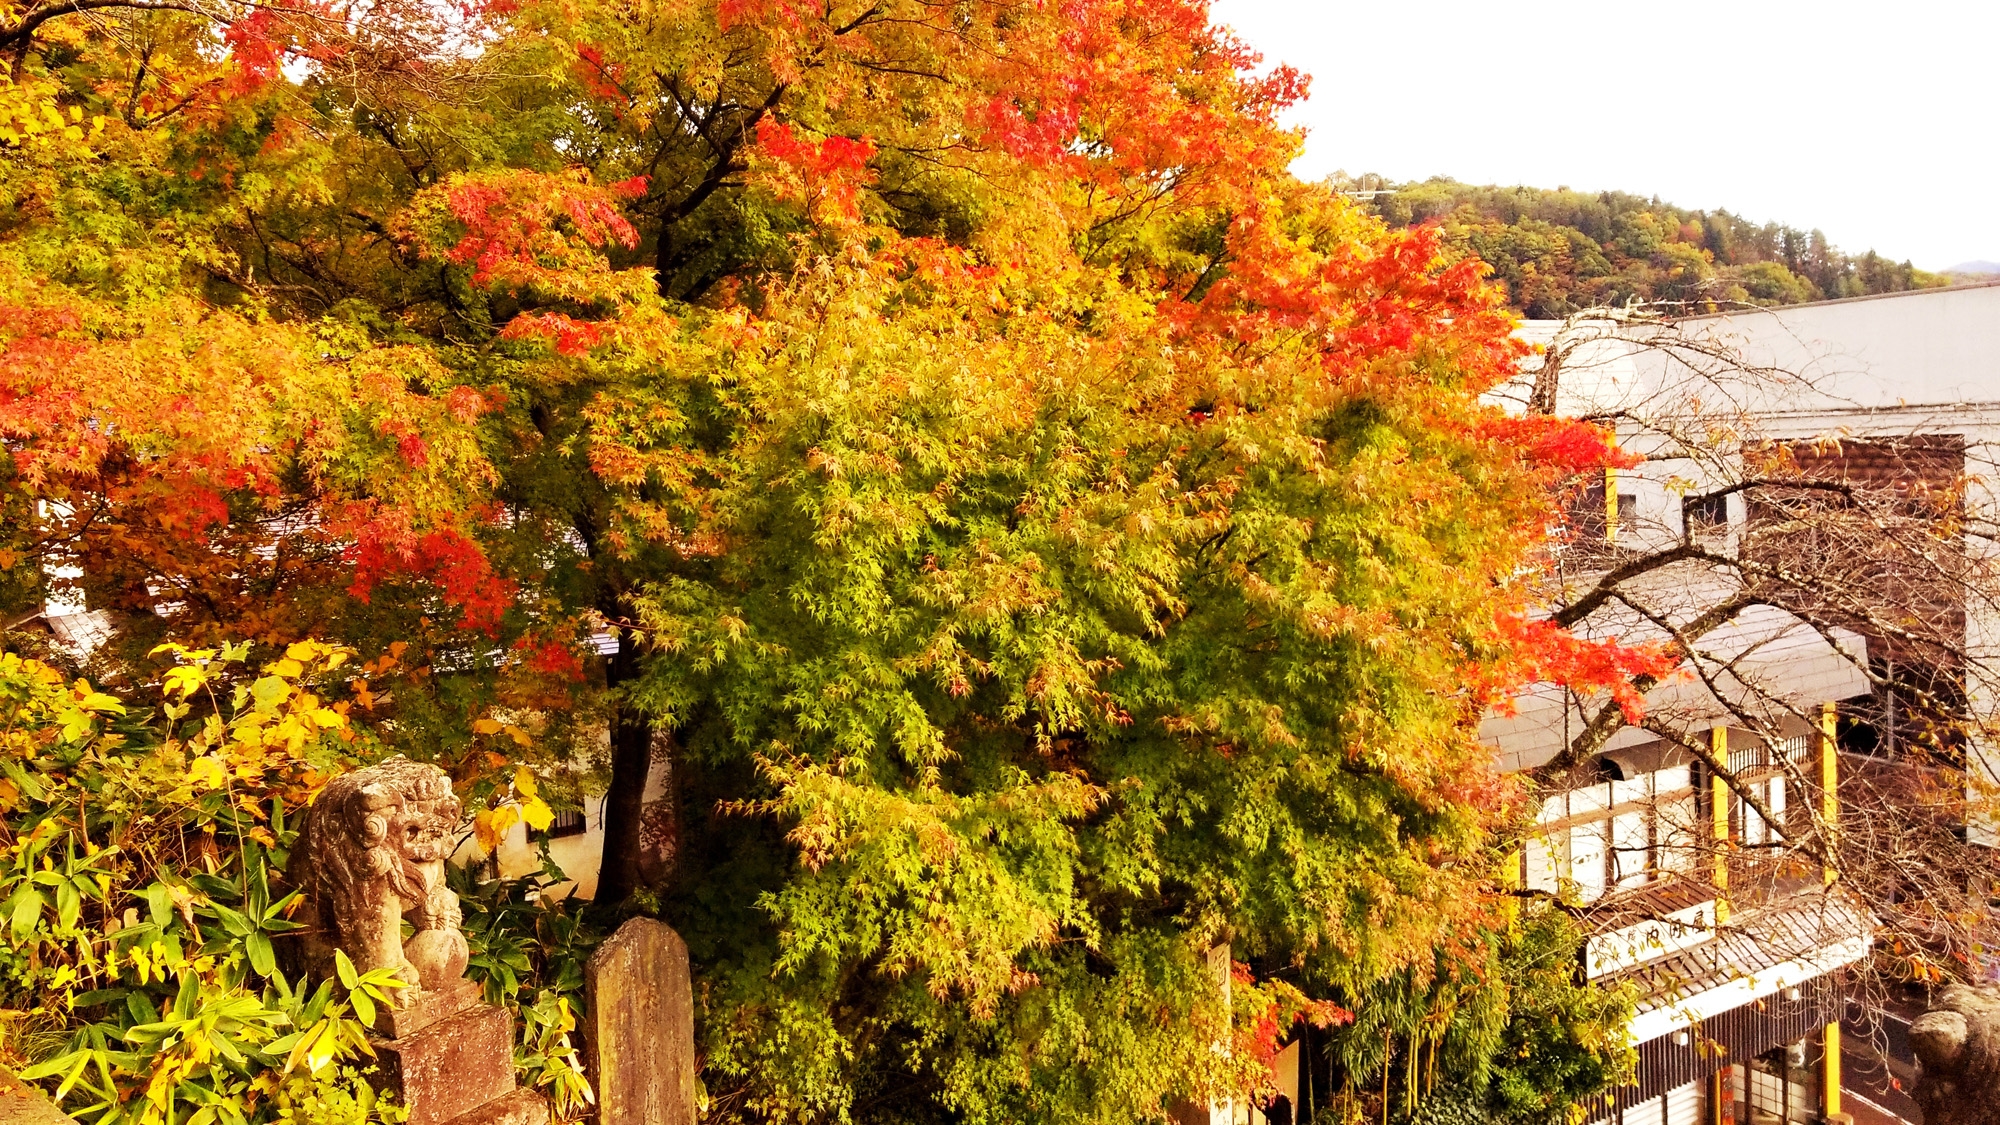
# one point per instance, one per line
(1890, 365)
(64, 600)
(579, 856)
(1923, 347)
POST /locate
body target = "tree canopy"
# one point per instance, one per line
(1040, 539)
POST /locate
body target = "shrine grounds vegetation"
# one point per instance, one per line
(1039, 542)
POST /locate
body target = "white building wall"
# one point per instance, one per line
(1924, 362)
(520, 854)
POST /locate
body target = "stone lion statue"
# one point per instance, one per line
(371, 853)
(1958, 1041)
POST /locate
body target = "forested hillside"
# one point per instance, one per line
(1559, 250)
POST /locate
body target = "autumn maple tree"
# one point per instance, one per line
(1040, 539)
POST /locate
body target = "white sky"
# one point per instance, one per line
(1877, 123)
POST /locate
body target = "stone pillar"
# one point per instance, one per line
(449, 1057)
(1217, 960)
(1224, 1112)
(640, 1014)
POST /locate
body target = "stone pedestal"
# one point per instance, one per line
(522, 1107)
(421, 1008)
(22, 1104)
(641, 1020)
(450, 1060)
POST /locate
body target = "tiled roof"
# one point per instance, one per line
(80, 633)
(1754, 942)
(1763, 661)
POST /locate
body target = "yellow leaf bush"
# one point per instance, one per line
(138, 973)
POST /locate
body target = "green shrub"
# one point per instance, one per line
(139, 972)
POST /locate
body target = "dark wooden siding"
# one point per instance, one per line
(1874, 547)
(1735, 1036)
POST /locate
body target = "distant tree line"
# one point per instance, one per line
(1559, 251)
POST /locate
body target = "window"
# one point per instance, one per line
(1678, 821)
(1631, 848)
(1705, 513)
(1587, 859)
(1585, 510)
(1776, 1087)
(567, 824)
(1614, 835)
(1756, 831)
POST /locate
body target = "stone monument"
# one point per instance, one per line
(1958, 1042)
(370, 854)
(641, 1026)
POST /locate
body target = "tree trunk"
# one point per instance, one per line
(624, 802)
(659, 814)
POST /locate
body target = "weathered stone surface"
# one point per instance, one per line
(522, 1107)
(371, 852)
(22, 1104)
(1958, 1042)
(452, 1067)
(641, 1020)
(422, 1007)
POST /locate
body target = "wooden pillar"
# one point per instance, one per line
(1829, 1071)
(1219, 964)
(1719, 808)
(1611, 505)
(1718, 1093)
(1829, 791)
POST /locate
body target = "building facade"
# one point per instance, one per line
(1691, 879)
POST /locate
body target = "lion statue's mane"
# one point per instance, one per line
(371, 852)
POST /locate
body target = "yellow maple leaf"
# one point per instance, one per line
(537, 814)
(482, 830)
(207, 772)
(491, 825)
(183, 679)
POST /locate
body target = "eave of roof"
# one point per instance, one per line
(1758, 954)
